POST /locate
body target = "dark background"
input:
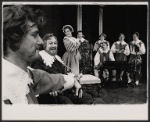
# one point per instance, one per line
(117, 19)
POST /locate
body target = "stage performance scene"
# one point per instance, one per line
(74, 54)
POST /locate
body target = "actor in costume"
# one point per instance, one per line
(86, 54)
(72, 56)
(98, 43)
(137, 48)
(20, 83)
(121, 51)
(102, 55)
(52, 63)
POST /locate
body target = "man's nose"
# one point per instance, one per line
(39, 40)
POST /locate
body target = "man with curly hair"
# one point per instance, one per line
(21, 40)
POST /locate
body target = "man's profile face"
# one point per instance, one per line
(51, 46)
(80, 35)
(29, 48)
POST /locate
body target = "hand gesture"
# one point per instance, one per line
(78, 89)
(121, 51)
(55, 93)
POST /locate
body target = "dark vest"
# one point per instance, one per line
(104, 56)
(120, 56)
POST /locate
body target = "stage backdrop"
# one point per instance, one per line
(117, 19)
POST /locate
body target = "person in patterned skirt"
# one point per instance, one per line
(86, 54)
(121, 51)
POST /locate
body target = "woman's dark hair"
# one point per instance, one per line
(121, 34)
(80, 31)
(15, 24)
(47, 37)
(103, 34)
(137, 34)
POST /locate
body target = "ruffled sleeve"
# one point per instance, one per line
(97, 58)
(96, 46)
(70, 45)
(127, 50)
(69, 82)
(113, 47)
(142, 49)
(111, 56)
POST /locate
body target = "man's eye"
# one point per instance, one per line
(35, 35)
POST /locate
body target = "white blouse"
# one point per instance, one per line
(97, 56)
(14, 83)
(142, 49)
(126, 51)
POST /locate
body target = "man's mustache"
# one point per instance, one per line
(53, 48)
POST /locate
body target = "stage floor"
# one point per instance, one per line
(123, 95)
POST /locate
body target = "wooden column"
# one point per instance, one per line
(79, 17)
(100, 20)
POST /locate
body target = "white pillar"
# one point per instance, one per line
(100, 20)
(79, 17)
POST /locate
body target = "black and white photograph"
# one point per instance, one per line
(74, 60)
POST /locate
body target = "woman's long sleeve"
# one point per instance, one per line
(70, 45)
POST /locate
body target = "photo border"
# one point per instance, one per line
(93, 1)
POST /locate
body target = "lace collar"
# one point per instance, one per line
(14, 83)
(49, 59)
